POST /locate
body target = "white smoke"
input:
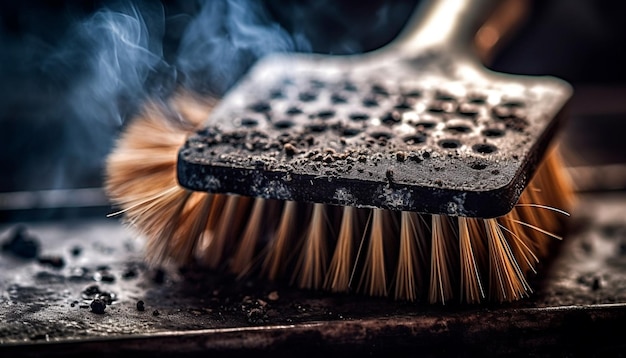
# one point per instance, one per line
(111, 61)
(226, 38)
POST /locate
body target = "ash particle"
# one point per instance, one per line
(21, 243)
(129, 273)
(76, 251)
(52, 260)
(98, 305)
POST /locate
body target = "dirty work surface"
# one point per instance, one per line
(85, 290)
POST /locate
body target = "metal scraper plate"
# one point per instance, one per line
(433, 134)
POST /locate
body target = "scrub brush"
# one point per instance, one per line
(410, 171)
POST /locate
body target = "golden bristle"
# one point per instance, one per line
(189, 230)
(507, 281)
(312, 263)
(409, 281)
(471, 284)
(373, 279)
(525, 255)
(218, 236)
(441, 267)
(147, 151)
(141, 180)
(278, 250)
(431, 257)
(149, 222)
(340, 269)
(251, 236)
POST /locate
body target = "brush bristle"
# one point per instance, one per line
(406, 255)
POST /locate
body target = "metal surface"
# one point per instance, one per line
(418, 125)
(579, 307)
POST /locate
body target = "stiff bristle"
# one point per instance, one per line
(406, 255)
(312, 263)
(373, 278)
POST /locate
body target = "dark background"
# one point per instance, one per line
(58, 119)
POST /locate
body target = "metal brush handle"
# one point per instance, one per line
(445, 23)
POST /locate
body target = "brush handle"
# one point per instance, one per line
(445, 23)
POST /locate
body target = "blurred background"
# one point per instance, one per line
(73, 73)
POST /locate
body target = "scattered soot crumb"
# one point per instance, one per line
(21, 243)
(94, 292)
(52, 260)
(107, 297)
(140, 306)
(593, 281)
(98, 305)
(91, 291)
(254, 309)
(129, 273)
(76, 251)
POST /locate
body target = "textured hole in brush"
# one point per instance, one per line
(381, 135)
(403, 106)
(493, 132)
(292, 111)
(359, 117)
(477, 99)
(444, 96)
(307, 96)
(349, 86)
(261, 107)
(283, 124)
(317, 127)
(380, 90)
(277, 94)
(513, 104)
(249, 122)
(484, 148)
(449, 143)
(350, 132)
(391, 118)
(317, 83)
(338, 99)
(413, 94)
(326, 114)
(370, 102)
(441, 107)
(458, 128)
(415, 139)
(426, 124)
(467, 109)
